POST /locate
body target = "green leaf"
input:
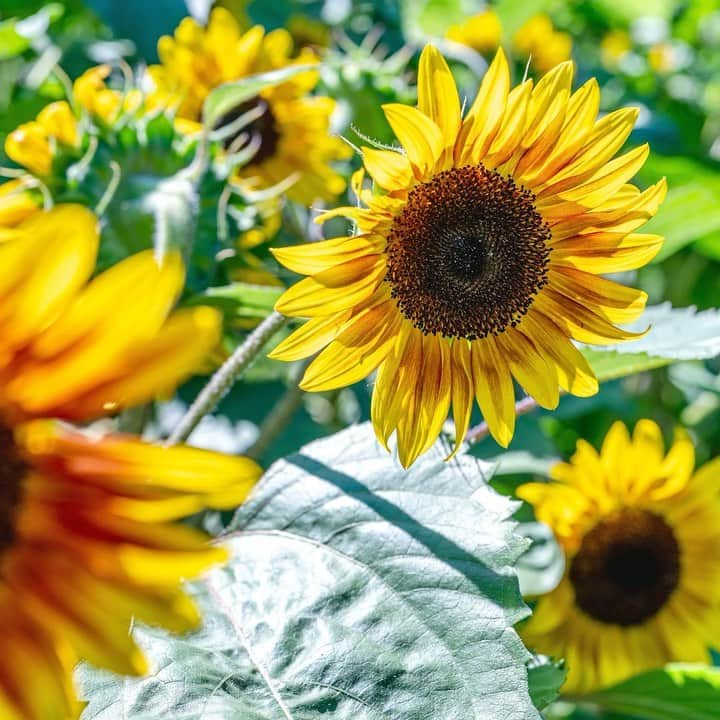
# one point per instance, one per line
(690, 211)
(611, 365)
(545, 678)
(242, 300)
(675, 334)
(676, 692)
(228, 96)
(356, 591)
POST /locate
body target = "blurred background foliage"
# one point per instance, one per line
(660, 55)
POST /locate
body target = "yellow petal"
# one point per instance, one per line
(486, 113)
(316, 257)
(418, 134)
(310, 338)
(494, 389)
(437, 94)
(529, 367)
(311, 297)
(356, 351)
(390, 169)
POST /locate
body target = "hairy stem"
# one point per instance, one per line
(477, 433)
(231, 371)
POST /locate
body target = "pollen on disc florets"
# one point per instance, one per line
(467, 254)
(627, 567)
(13, 469)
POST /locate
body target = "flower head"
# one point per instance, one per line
(477, 260)
(56, 129)
(539, 41)
(87, 538)
(481, 32)
(291, 127)
(640, 534)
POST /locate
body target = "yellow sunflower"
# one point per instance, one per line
(57, 127)
(477, 259)
(481, 32)
(17, 202)
(541, 43)
(641, 534)
(87, 538)
(292, 128)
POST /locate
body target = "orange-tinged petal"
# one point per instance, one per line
(494, 389)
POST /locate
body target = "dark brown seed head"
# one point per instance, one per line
(467, 254)
(264, 127)
(627, 567)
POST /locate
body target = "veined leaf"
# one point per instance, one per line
(356, 591)
(676, 692)
(675, 334)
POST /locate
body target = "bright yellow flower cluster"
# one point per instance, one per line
(34, 144)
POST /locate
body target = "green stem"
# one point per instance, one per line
(231, 371)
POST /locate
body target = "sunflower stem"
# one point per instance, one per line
(480, 431)
(231, 371)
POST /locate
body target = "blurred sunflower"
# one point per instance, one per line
(641, 535)
(479, 258)
(539, 41)
(291, 127)
(57, 130)
(17, 202)
(87, 538)
(481, 32)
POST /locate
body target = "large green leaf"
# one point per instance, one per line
(357, 590)
(676, 692)
(674, 334)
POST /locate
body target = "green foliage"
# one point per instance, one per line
(355, 590)
(676, 692)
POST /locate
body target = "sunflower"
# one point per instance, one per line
(17, 202)
(291, 127)
(478, 257)
(641, 537)
(541, 43)
(87, 538)
(481, 32)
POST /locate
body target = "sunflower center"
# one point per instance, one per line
(627, 567)
(263, 127)
(467, 254)
(12, 473)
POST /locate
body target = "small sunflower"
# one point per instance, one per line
(642, 541)
(541, 43)
(478, 259)
(481, 32)
(87, 538)
(56, 129)
(292, 127)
